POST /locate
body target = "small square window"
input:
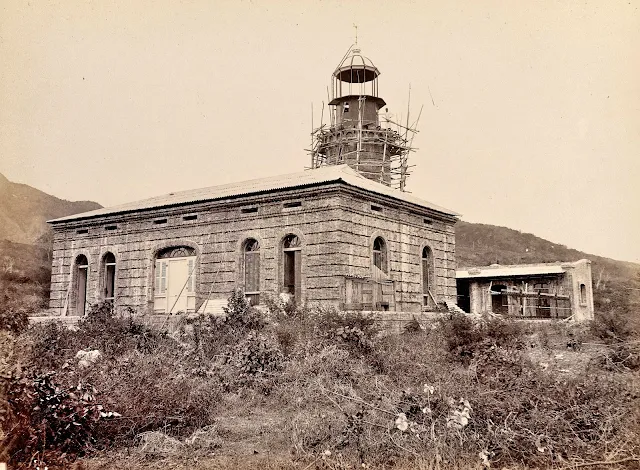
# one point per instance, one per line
(82, 231)
(428, 222)
(190, 217)
(249, 210)
(289, 205)
(160, 221)
(111, 227)
(376, 208)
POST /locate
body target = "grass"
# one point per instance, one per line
(305, 388)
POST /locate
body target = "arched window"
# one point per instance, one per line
(428, 281)
(109, 276)
(175, 274)
(82, 275)
(380, 254)
(251, 265)
(292, 265)
(583, 294)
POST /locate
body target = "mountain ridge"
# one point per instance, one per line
(24, 211)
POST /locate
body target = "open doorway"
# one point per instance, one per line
(499, 300)
(82, 274)
(292, 266)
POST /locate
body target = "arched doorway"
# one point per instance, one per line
(499, 300)
(82, 275)
(174, 287)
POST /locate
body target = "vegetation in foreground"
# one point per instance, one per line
(315, 388)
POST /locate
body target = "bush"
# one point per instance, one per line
(611, 326)
(258, 354)
(468, 337)
(620, 357)
(53, 344)
(357, 330)
(15, 321)
(52, 421)
(240, 315)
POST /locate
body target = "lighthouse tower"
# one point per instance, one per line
(355, 135)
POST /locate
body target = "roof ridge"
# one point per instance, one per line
(322, 175)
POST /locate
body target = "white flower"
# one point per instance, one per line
(458, 419)
(484, 457)
(426, 410)
(429, 389)
(401, 422)
(465, 403)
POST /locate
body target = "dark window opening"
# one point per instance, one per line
(190, 217)
(292, 266)
(288, 205)
(249, 210)
(499, 302)
(111, 227)
(251, 259)
(346, 107)
(428, 282)
(376, 208)
(82, 275)
(428, 221)
(583, 294)
(82, 231)
(109, 276)
(380, 254)
(160, 221)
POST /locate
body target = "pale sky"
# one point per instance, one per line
(535, 126)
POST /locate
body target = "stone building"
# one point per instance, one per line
(545, 290)
(339, 234)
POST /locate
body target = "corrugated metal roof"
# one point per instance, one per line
(511, 270)
(327, 174)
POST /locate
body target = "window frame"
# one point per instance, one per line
(251, 256)
(428, 262)
(381, 253)
(106, 280)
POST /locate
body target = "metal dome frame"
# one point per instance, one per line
(357, 72)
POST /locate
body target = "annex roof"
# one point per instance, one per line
(323, 175)
(497, 270)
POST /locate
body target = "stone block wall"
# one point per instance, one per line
(335, 225)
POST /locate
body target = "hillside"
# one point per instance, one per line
(24, 211)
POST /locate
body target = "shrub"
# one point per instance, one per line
(357, 329)
(413, 326)
(240, 315)
(620, 356)
(52, 421)
(467, 337)
(258, 354)
(13, 320)
(611, 326)
(213, 335)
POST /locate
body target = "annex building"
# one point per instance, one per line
(543, 290)
(342, 233)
